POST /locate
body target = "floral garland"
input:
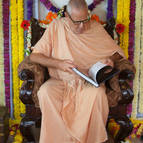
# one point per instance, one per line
(132, 30)
(136, 85)
(20, 43)
(6, 51)
(141, 62)
(48, 4)
(131, 40)
(2, 87)
(123, 17)
(17, 55)
(29, 9)
(14, 42)
(44, 24)
(137, 129)
(110, 9)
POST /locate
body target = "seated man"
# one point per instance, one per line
(72, 111)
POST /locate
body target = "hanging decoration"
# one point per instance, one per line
(123, 7)
(137, 130)
(137, 58)
(110, 9)
(131, 41)
(2, 86)
(140, 110)
(6, 51)
(29, 9)
(48, 4)
(49, 18)
(20, 44)
(10, 61)
(132, 30)
(17, 42)
(94, 4)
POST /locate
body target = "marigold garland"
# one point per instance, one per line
(29, 9)
(132, 30)
(131, 42)
(2, 86)
(110, 9)
(123, 17)
(141, 61)
(6, 51)
(136, 82)
(20, 43)
(137, 129)
(17, 55)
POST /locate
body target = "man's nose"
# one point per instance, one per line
(81, 25)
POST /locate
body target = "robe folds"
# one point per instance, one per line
(72, 110)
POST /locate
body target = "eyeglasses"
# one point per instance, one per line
(80, 21)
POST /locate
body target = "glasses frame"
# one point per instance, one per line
(80, 21)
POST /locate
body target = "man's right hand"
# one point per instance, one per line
(66, 65)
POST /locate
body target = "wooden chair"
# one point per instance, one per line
(34, 75)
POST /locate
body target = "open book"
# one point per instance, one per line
(98, 73)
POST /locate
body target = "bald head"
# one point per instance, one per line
(76, 4)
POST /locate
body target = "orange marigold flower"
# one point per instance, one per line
(95, 17)
(44, 21)
(51, 16)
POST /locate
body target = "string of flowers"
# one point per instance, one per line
(110, 9)
(141, 61)
(14, 46)
(94, 4)
(20, 44)
(132, 30)
(6, 51)
(43, 23)
(131, 40)
(137, 129)
(120, 17)
(136, 82)
(17, 42)
(2, 87)
(123, 17)
(16, 9)
(28, 40)
(48, 4)
(29, 9)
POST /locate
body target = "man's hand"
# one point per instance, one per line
(107, 61)
(66, 65)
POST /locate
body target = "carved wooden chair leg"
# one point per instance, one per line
(25, 128)
(125, 128)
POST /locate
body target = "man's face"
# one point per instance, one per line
(79, 20)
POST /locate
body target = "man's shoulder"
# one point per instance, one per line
(56, 23)
(96, 24)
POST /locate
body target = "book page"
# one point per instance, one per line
(94, 70)
(85, 77)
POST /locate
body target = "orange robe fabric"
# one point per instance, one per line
(72, 111)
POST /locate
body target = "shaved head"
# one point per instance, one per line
(76, 4)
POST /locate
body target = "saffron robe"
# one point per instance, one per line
(72, 111)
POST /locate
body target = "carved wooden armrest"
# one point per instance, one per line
(118, 88)
(33, 76)
(119, 95)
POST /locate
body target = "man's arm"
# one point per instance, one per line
(64, 65)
